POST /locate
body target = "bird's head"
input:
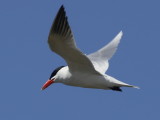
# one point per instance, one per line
(52, 78)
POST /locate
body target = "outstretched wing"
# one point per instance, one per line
(100, 58)
(61, 41)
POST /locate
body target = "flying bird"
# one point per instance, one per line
(86, 71)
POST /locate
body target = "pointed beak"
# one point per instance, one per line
(48, 83)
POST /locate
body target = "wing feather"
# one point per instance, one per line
(101, 57)
(61, 41)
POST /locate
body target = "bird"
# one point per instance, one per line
(86, 71)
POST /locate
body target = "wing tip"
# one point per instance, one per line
(62, 7)
(120, 34)
(59, 21)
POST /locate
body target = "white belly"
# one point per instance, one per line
(88, 81)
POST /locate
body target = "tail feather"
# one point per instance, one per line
(134, 86)
(118, 83)
(127, 85)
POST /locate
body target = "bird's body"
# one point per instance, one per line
(86, 71)
(87, 79)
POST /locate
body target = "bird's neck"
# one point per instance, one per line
(63, 75)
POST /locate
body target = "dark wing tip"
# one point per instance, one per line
(115, 88)
(62, 7)
(60, 25)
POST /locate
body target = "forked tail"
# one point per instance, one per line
(117, 84)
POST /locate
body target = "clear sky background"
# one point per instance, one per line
(26, 61)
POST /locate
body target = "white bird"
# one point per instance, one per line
(86, 71)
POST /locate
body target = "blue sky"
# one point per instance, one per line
(26, 61)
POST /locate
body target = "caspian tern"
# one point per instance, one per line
(86, 71)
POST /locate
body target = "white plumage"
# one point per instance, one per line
(83, 70)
